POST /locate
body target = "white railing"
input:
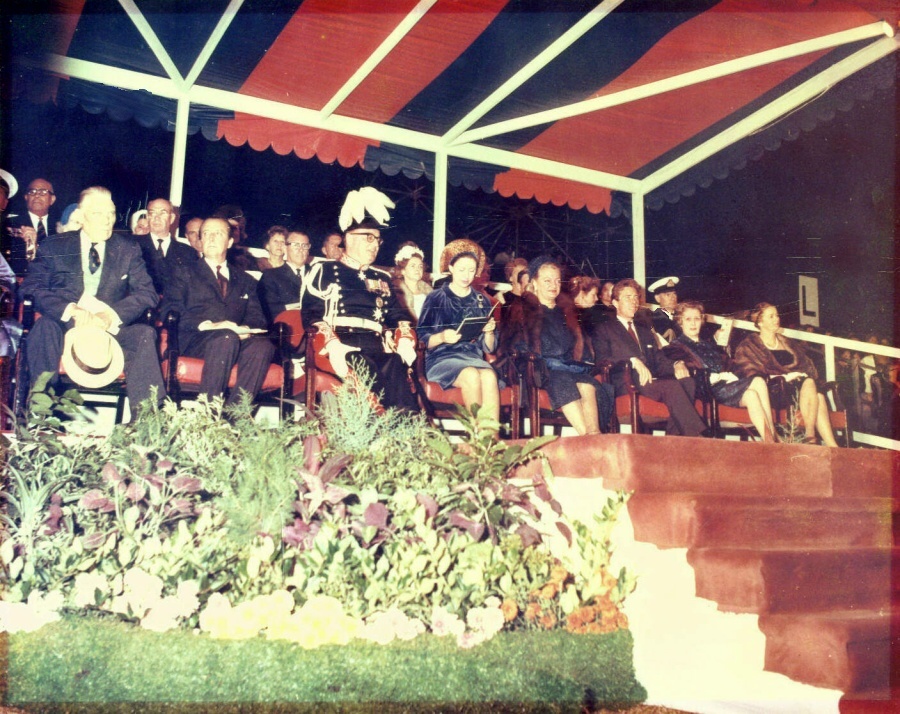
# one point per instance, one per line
(830, 345)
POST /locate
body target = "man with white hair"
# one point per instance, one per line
(94, 278)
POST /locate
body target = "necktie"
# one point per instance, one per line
(159, 250)
(41, 231)
(93, 259)
(222, 280)
(634, 334)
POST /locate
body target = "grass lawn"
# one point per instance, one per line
(86, 662)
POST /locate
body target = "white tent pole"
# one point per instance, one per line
(680, 81)
(439, 234)
(179, 153)
(383, 50)
(638, 241)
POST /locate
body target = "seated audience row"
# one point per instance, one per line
(91, 277)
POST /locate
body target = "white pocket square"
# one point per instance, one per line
(125, 277)
(245, 296)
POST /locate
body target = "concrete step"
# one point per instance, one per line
(795, 580)
(685, 520)
(848, 650)
(715, 466)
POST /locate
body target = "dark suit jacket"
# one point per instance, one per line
(162, 270)
(195, 295)
(56, 279)
(279, 287)
(612, 342)
(13, 247)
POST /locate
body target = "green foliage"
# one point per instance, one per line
(378, 510)
(48, 410)
(356, 424)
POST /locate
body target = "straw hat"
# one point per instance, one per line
(91, 357)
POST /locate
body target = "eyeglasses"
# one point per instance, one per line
(370, 237)
(296, 244)
(39, 192)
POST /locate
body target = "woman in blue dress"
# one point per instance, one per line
(752, 393)
(449, 360)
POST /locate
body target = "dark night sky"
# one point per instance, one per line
(822, 205)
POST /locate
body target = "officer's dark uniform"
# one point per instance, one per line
(358, 304)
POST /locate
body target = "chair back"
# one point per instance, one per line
(294, 322)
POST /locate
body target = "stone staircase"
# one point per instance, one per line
(802, 537)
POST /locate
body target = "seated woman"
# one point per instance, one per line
(585, 292)
(140, 223)
(449, 360)
(544, 322)
(276, 239)
(409, 285)
(729, 389)
(770, 354)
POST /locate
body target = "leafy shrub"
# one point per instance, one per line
(377, 510)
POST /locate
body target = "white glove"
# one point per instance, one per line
(727, 377)
(791, 376)
(337, 353)
(406, 348)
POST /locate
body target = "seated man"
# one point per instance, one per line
(622, 340)
(352, 303)
(665, 293)
(162, 253)
(222, 320)
(280, 287)
(92, 277)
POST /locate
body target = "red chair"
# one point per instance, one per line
(642, 413)
(439, 403)
(182, 374)
(314, 381)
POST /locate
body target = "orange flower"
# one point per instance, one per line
(549, 591)
(510, 609)
(532, 612)
(548, 621)
(558, 574)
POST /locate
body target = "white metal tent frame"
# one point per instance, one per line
(461, 141)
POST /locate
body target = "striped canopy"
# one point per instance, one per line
(565, 101)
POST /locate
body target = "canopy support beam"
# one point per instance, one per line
(638, 241)
(383, 50)
(179, 153)
(773, 112)
(214, 39)
(439, 234)
(557, 47)
(651, 89)
(140, 22)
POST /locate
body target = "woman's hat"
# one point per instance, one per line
(92, 357)
(462, 245)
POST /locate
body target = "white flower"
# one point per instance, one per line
(30, 616)
(487, 621)
(84, 593)
(142, 591)
(446, 623)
